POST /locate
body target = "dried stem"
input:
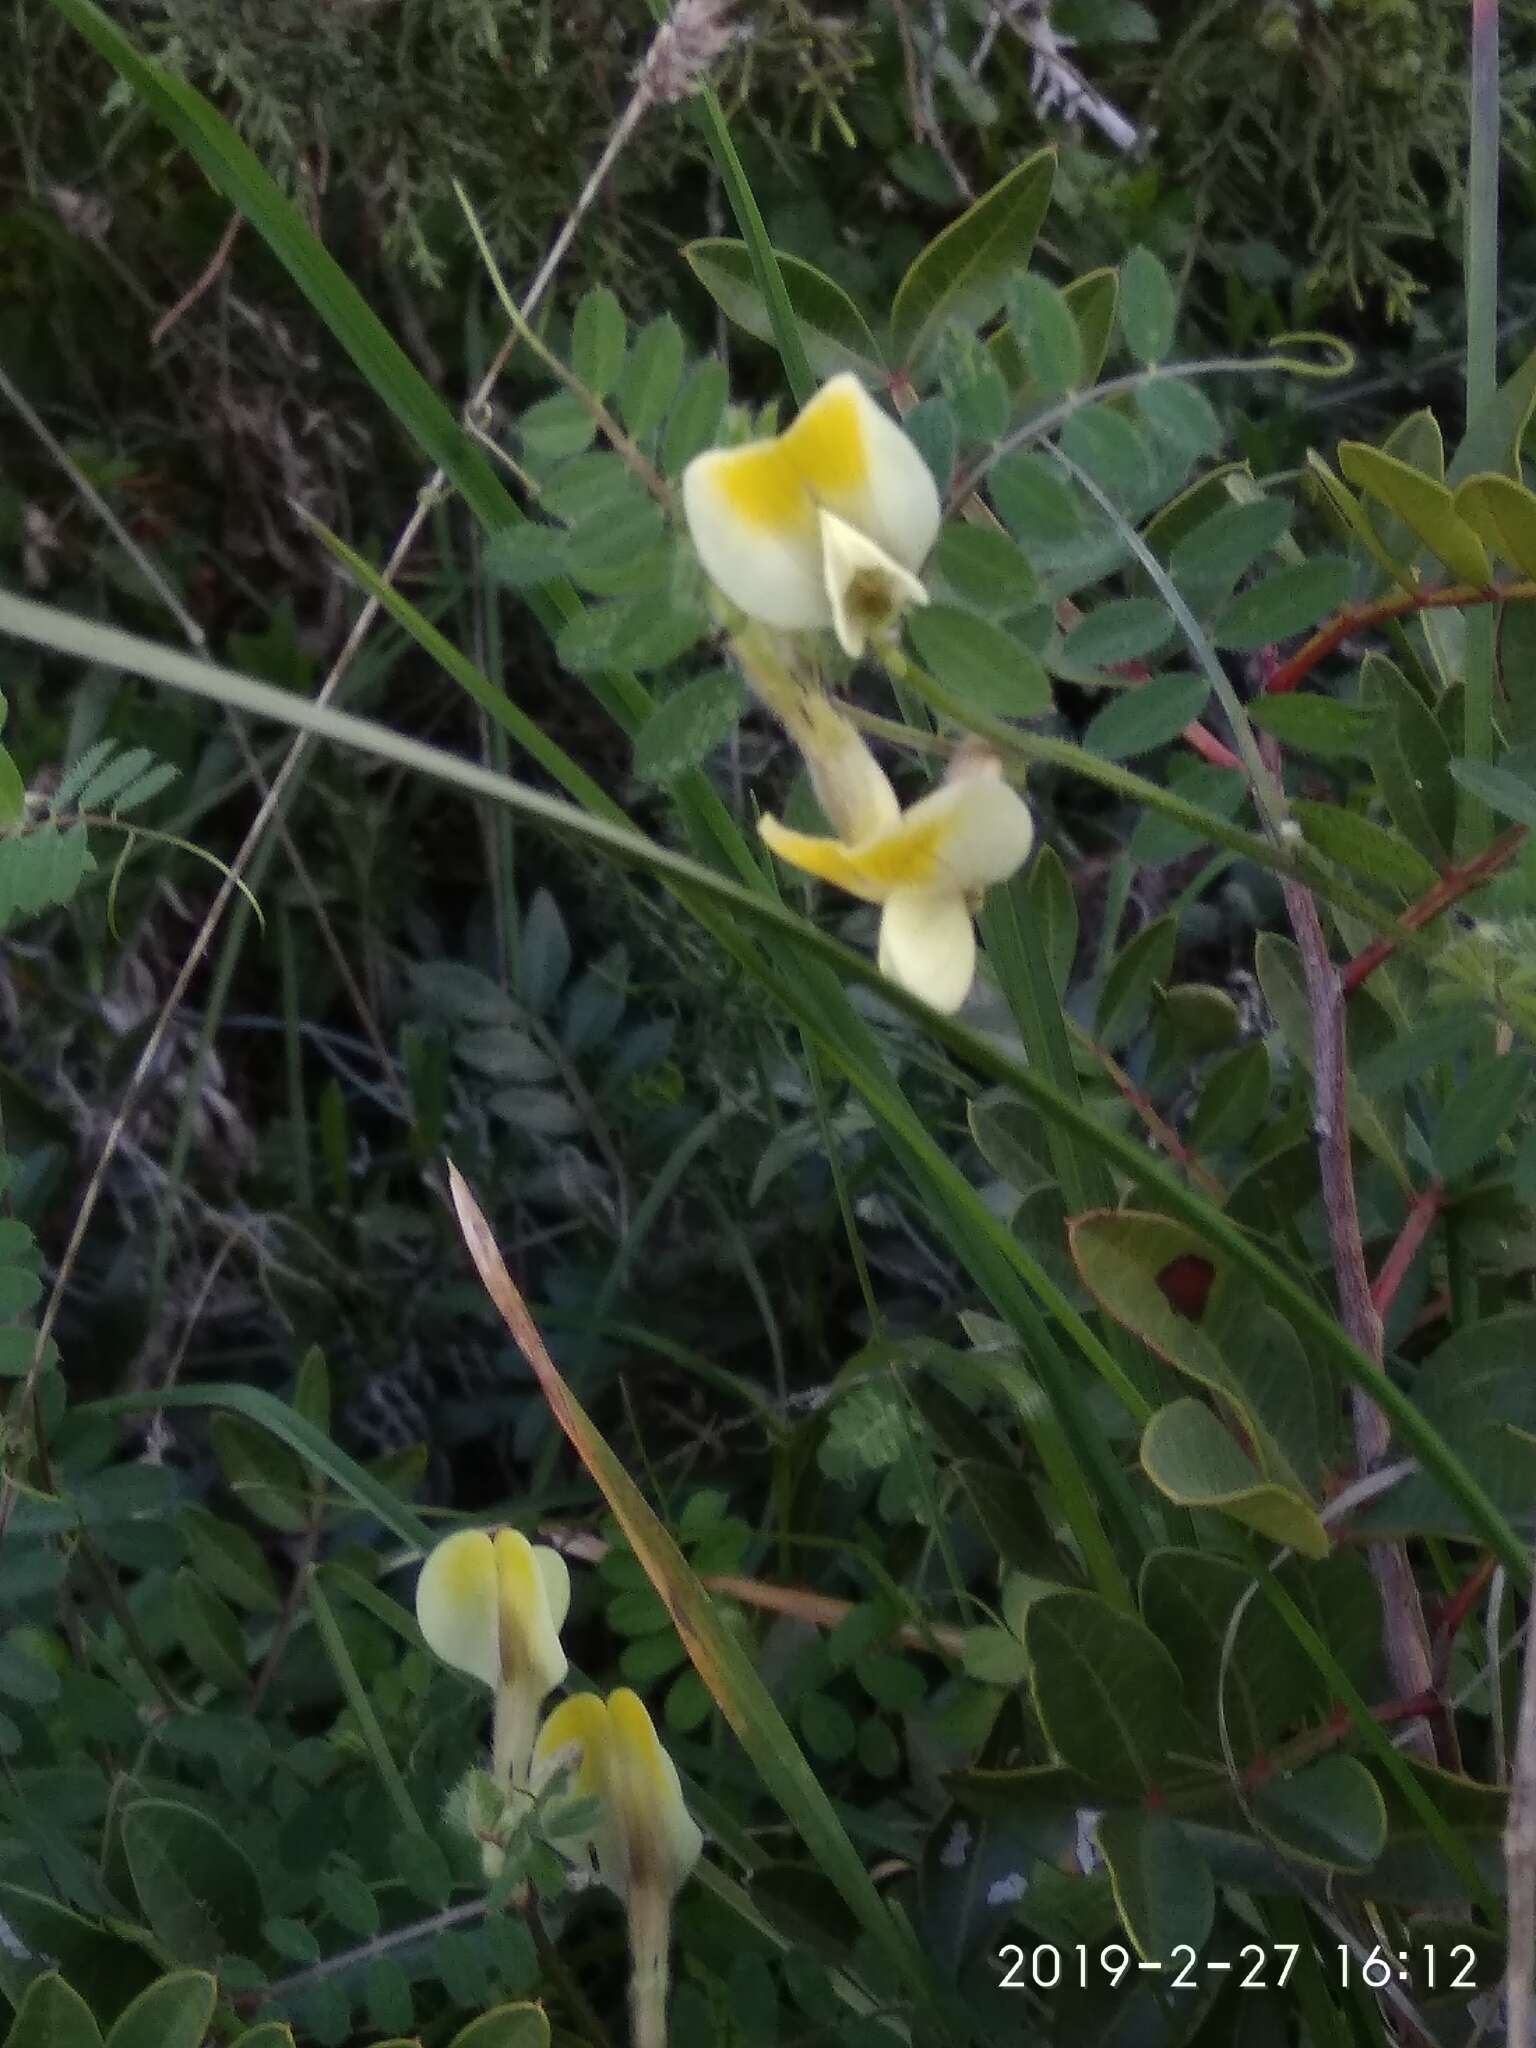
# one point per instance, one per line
(366, 1952)
(1406, 1637)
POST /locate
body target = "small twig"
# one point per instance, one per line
(1455, 883)
(109, 519)
(1416, 1227)
(293, 1600)
(634, 458)
(1157, 1124)
(208, 277)
(1520, 1864)
(818, 1610)
(366, 1952)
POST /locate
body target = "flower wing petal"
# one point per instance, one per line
(969, 833)
(457, 1606)
(556, 1575)
(858, 463)
(828, 859)
(530, 1639)
(754, 526)
(928, 945)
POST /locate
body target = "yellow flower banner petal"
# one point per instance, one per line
(823, 525)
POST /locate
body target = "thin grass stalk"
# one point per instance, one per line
(1482, 312)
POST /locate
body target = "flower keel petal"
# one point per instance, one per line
(928, 946)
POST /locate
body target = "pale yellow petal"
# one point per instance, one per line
(928, 946)
(457, 1606)
(754, 526)
(853, 789)
(661, 1840)
(573, 1739)
(857, 463)
(556, 1575)
(867, 588)
(827, 859)
(968, 834)
(530, 1638)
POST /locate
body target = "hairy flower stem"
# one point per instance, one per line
(513, 1728)
(650, 1935)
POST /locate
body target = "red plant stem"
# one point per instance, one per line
(1210, 748)
(1455, 883)
(1406, 603)
(1416, 1228)
(1455, 1611)
(1159, 1127)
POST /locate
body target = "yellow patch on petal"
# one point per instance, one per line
(825, 444)
(760, 483)
(827, 859)
(578, 1725)
(530, 1642)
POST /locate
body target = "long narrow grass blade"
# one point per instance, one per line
(289, 1427)
(718, 1658)
(718, 902)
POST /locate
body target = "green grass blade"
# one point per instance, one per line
(716, 1654)
(357, 1699)
(853, 1048)
(289, 1427)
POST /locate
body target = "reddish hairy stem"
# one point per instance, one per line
(1416, 1227)
(1360, 618)
(1455, 883)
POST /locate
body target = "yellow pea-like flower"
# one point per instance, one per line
(493, 1607)
(826, 524)
(645, 1841)
(644, 1837)
(927, 867)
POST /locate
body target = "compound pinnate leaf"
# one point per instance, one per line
(1191, 1456)
(1425, 507)
(1162, 1884)
(1330, 1813)
(196, 1886)
(506, 2026)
